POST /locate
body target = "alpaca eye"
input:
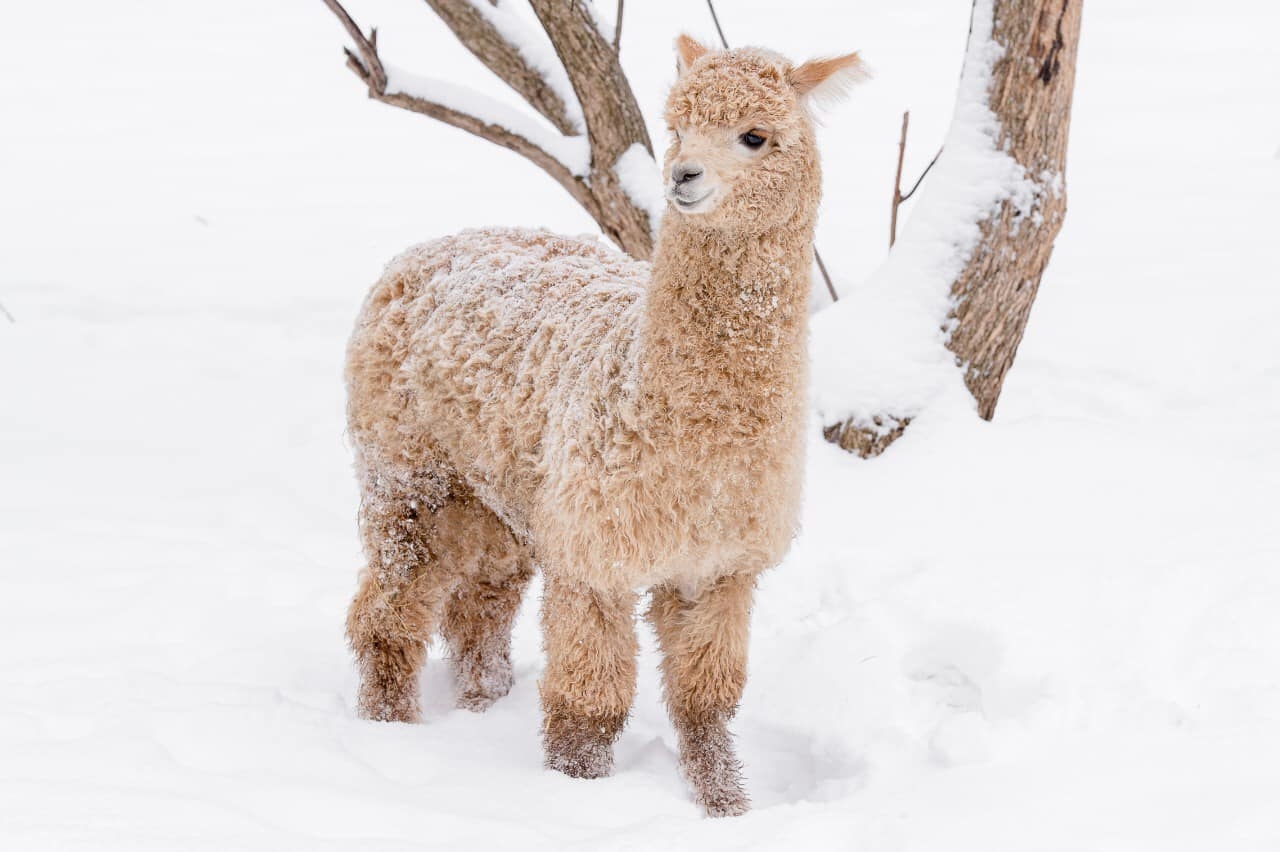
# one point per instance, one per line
(751, 140)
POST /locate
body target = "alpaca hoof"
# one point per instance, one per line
(713, 771)
(728, 802)
(579, 747)
(388, 712)
(480, 700)
(376, 705)
(590, 760)
(476, 702)
(479, 685)
(717, 788)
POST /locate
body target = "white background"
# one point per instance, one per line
(1056, 631)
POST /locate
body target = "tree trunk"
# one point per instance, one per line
(1030, 96)
(1031, 92)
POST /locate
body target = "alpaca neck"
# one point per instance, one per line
(725, 325)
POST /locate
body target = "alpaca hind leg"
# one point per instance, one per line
(479, 614)
(402, 589)
(704, 669)
(590, 681)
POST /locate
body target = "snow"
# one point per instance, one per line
(533, 44)
(573, 152)
(879, 355)
(641, 180)
(1053, 631)
(607, 28)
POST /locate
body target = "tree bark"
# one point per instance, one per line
(1031, 90)
(1030, 95)
(502, 58)
(613, 118)
(867, 443)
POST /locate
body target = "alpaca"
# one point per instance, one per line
(520, 400)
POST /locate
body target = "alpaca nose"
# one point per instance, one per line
(685, 172)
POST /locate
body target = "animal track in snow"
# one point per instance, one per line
(949, 670)
(787, 765)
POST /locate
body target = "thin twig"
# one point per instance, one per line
(920, 179)
(5, 311)
(822, 267)
(376, 75)
(716, 19)
(897, 180)
(898, 195)
(617, 32)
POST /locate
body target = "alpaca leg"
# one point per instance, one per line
(704, 670)
(590, 680)
(402, 592)
(478, 616)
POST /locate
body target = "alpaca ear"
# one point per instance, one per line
(688, 49)
(828, 80)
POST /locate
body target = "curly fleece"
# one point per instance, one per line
(518, 398)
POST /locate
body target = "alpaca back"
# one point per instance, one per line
(484, 351)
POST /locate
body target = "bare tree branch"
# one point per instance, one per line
(716, 20)
(613, 121)
(478, 35)
(369, 68)
(920, 179)
(897, 181)
(494, 133)
(898, 195)
(373, 75)
(617, 31)
(822, 267)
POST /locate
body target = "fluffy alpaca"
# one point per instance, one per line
(522, 399)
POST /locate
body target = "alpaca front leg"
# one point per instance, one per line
(590, 681)
(704, 669)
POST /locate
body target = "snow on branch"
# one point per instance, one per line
(499, 119)
(518, 52)
(580, 89)
(953, 298)
(565, 158)
(638, 174)
(612, 116)
(880, 356)
(609, 32)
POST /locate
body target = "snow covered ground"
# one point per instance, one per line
(1056, 631)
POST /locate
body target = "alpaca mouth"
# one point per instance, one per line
(687, 205)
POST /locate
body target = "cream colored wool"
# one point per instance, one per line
(520, 398)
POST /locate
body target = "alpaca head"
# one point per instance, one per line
(742, 152)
